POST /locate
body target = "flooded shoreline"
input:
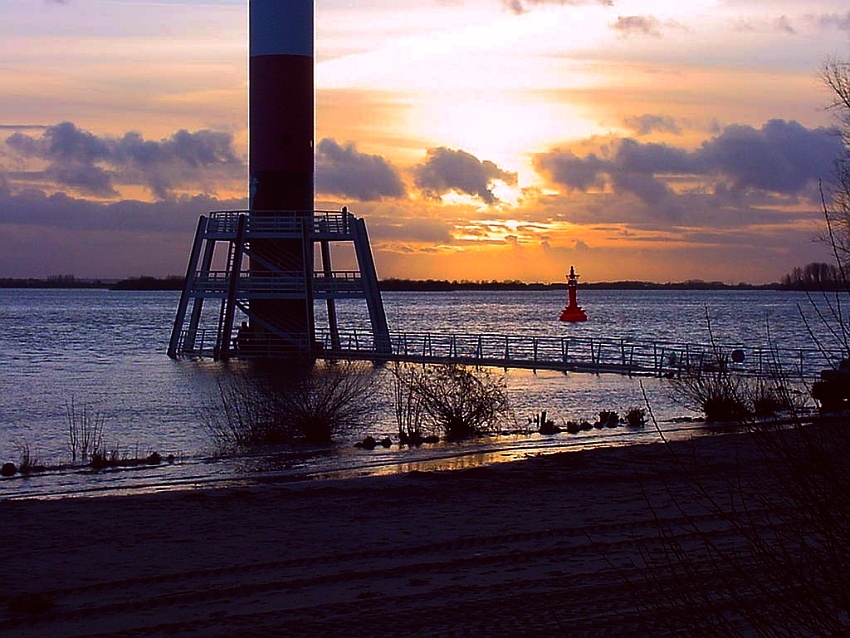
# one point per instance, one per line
(336, 462)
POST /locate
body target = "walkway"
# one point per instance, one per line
(567, 354)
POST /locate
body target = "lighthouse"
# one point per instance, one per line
(281, 158)
(261, 265)
(572, 312)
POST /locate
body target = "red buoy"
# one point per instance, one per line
(572, 312)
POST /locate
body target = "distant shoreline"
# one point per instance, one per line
(175, 282)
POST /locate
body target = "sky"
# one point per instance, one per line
(656, 140)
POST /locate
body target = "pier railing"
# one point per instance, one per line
(278, 222)
(217, 282)
(576, 354)
(582, 354)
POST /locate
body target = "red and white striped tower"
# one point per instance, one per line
(281, 156)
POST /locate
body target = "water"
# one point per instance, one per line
(105, 351)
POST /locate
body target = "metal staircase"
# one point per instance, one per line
(255, 270)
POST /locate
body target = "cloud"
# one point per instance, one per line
(96, 166)
(343, 171)
(835, 20)
(521, 6)
(574, 172)
(782, 23)
(646, 124)
(407, 229)
(448, 170)
(651, 158)
(23, 127)
(43, 234)
(644, 186)
(781, 157)
(34, 207)
(637, 25)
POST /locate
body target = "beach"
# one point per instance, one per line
(547, 546)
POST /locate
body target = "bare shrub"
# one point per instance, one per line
(335, 397)
(103, 458)
(459, 400)
(636, 417)
(760, 545)
(725, 395)
(240, 417)
(718, 394)
(255, 408)
(407, 403)
(85, 430)
(28, 462)
(757, 546)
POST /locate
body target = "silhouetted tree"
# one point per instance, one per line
(836, 75)
(814, 276)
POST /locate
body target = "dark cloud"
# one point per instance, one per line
(835, 20)
(652, 158)
(94, 165)
(43, 234)
(644, 186)
(781, 157)
(639, 25)
(410, 229)
(86, 178)
(448, 170)
(33, 207)
(646, 124)
(572, 171)
(342, 170)
(521, 6)
(62, 143)
(782, 23)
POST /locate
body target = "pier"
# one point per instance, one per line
(565, 354)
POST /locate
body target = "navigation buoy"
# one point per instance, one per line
(572, 312)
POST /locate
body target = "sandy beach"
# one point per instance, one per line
(543, 547)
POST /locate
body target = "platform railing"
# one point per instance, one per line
(216, 283)
(283, 222)
(619, 356)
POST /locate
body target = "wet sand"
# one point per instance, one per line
(542, 547)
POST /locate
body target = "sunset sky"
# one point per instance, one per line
(481, 139)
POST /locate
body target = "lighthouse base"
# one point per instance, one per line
(573, 313)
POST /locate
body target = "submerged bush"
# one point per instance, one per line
(636, 417)
(407, 403)
(718, 394)
(609, 418)
(333, 397)
(85, 430)
(459, 400)
(256, 407)
(725, 397)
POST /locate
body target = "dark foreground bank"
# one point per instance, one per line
(554, 545)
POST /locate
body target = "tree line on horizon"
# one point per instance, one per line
(815, 276)
(812, 276)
